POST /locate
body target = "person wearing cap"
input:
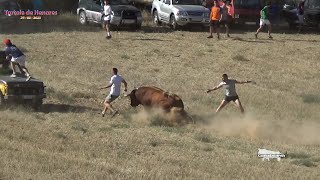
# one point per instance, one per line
(17, 58)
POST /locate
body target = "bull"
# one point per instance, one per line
(153, 97)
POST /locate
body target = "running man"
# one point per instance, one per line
(215, 19)
(17, 59)
(107, 17)
(264, 20)
(115, 84)
(230, 92)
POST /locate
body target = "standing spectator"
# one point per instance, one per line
(264, 20)
(224, 20)
(215, 19)
(107, 17)
(300, 14)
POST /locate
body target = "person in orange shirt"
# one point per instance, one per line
(215, 19)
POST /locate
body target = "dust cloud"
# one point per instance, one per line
(283, 131)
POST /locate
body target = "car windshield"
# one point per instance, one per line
(248, 4)
(187, 2)
(314, 4)
(118, 2)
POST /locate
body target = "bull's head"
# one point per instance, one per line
(134, 101)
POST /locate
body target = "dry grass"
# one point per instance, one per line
(69, 139)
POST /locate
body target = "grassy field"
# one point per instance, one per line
(68, 139)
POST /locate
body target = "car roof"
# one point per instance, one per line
(8, 79)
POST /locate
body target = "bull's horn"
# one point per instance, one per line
(126, 95)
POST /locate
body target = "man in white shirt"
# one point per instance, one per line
(115, 84)
(230, 92)
(107, 17)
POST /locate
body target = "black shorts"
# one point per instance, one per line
(231, 98)
(106, 22)
(224, 23)
(214, 23)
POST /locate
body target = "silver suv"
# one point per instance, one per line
(180, 12)
(124, 14)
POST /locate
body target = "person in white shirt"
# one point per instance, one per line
(115, 84)
(107, 11)
(230, 92)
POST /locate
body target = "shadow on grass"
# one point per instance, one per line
(150, 39)
(252, 40)
(65, 108)
(311, 98)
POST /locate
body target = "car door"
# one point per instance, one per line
(160, 13)
(89, 11)
(166, 10)
(97, 9)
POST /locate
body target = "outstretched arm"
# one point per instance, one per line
(104, 87)
(215, 88)
(243, 82)
(125, 84)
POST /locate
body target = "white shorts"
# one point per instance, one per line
(20, 60)
(264, 22)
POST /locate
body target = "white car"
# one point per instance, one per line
(180, 13)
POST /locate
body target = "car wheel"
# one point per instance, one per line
(83, 18)
(1, 100)
(37, 104)
(156, 18)
(173, 22)
(138, 27)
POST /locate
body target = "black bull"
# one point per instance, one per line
(153, 97)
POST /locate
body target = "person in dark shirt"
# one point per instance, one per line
(300, 14)
(17, 58)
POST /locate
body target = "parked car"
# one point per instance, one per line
(247, 10)
(180, 13)
(312, 12)
(124, 14)
(290, 14)
(18, 90)
(9, 5)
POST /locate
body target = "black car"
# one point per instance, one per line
(124, 14)
(290, 13)
(8, 5)
(312, 12)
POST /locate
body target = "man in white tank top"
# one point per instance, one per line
(230, 92)
(115, 84)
